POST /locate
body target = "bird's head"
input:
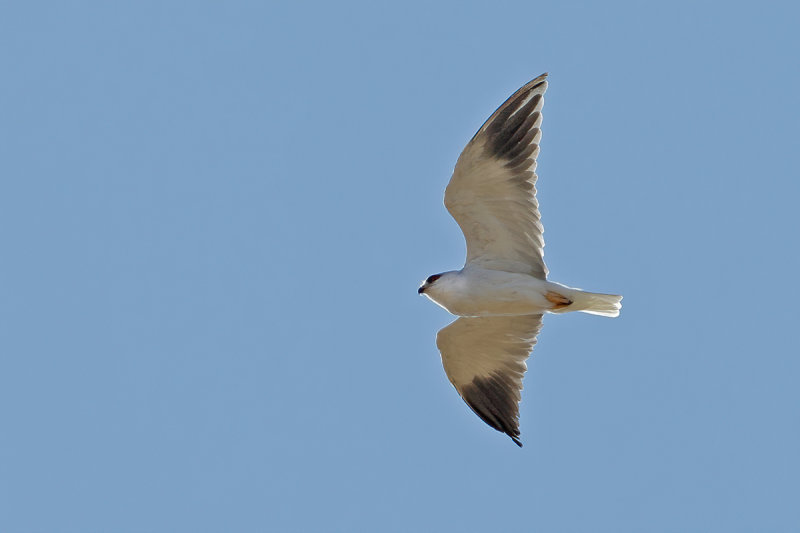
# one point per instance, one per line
(428, 283)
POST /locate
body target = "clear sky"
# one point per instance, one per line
(214, 217)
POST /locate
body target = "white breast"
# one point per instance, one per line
(480, 292)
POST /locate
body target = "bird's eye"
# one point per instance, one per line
(433, 278)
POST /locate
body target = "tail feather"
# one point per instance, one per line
(595, 303)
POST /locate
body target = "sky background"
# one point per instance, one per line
(214, 218)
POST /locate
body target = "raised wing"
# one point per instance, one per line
(492, 194)
(484, 358)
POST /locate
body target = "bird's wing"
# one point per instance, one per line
(492, 194)
(484, 358)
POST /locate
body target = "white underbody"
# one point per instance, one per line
(475, 291)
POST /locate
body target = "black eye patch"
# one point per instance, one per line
(433, 278)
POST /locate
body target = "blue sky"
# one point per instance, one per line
(214, 218)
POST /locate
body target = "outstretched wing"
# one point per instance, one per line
(484, 358)
(492, 194)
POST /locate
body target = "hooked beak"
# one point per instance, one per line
(421, 290)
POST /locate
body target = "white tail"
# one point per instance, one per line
(595, 303)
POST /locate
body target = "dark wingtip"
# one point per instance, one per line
(513, 127)
(539, 79)
(491, 398)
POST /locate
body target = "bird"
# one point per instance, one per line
(502, 292)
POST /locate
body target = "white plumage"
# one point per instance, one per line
(502, 291)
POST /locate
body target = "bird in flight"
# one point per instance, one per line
(502, 292)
